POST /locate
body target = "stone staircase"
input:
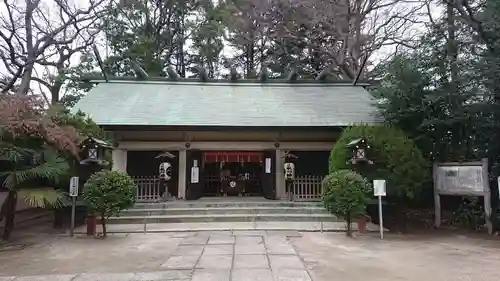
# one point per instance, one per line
(225, 213)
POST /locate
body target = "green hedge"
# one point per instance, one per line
(396, 159)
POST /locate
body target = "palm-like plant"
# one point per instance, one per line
(27, 168)
(32, 147)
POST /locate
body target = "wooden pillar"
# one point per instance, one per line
(280, 175)
(119, 160)
(182, 175)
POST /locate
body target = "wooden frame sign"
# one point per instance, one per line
(462, 178)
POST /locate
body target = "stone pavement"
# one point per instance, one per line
(224, 256)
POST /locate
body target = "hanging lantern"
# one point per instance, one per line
(289, 166)
(165, 171)
(289, 171)
(165, 168)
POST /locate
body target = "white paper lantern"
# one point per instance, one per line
(165, 171)
(289, 171)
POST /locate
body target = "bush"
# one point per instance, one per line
(107, 193)
(346, 194)
(396, 159)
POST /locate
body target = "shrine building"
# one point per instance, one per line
(223, 138)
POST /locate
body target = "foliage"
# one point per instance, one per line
(469, 214)
(346, 193)
(107, 193)
(75, 84)
(23, 118)
(33, 149)
(417, 96)
(396, 159)
(82, 123)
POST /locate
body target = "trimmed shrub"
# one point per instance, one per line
(107, 193)
(396, 159)
(346, 194)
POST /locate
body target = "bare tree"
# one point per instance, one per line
(34, 34)
(469, 12)
(347, 32)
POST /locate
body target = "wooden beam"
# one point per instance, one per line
(172, 74)
(139, 71)
(233, 74)
(202, 72)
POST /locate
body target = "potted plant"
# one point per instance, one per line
(361, 221)
(91, 223)
(107, 193)
(346, 194)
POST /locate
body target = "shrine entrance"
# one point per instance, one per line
(233, 173)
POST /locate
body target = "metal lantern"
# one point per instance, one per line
(359, 149)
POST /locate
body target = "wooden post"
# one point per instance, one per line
(437, 199)
(487, 196)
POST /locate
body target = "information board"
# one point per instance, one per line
(460, 179)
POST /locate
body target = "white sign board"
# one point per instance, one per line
(73, 187)
(460, 179)
(195, 175)
(379, 188)
(268, 165)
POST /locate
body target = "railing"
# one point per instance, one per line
(149, 189)
(307, 188)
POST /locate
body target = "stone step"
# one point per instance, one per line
(225, 210)
(222, 204)
(222, 218)
(228, 226)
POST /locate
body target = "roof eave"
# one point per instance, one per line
(133, 79)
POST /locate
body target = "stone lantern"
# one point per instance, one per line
(92, 151)
(359, 148)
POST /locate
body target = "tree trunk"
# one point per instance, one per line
(103, 222)
(348, 219)
(10, 213)
(3, 209)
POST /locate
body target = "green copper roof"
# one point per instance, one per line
(227, 104)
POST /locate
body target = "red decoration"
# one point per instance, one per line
(233, 156)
